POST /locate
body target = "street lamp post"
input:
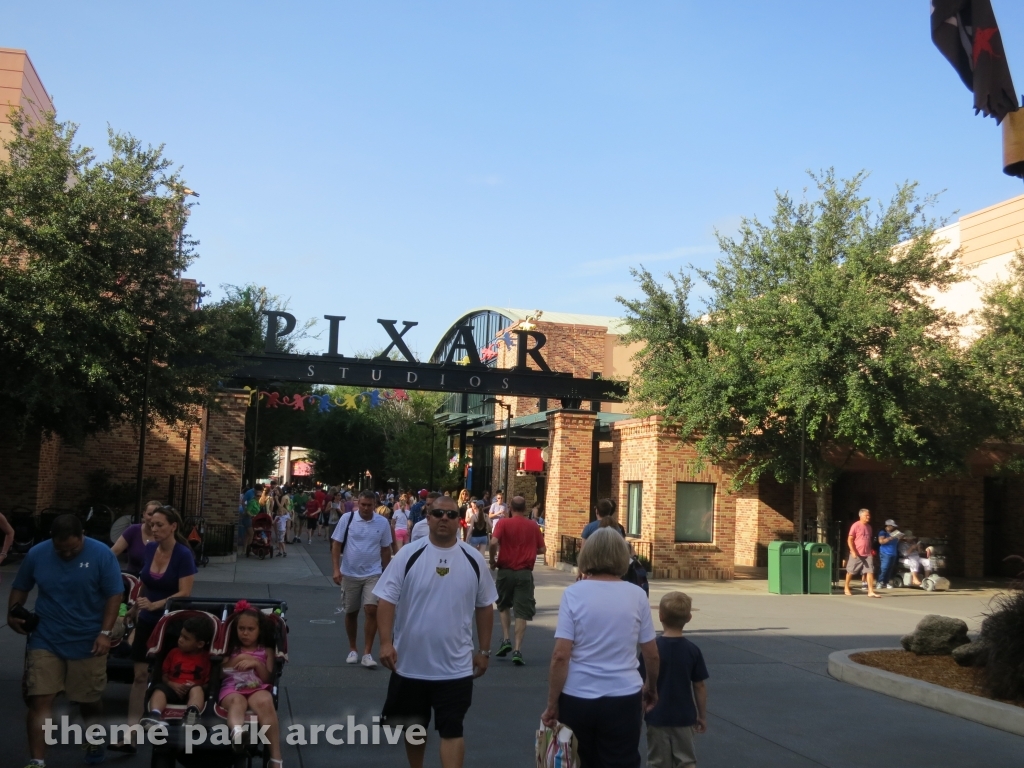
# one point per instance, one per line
(800, 514)
(255, 441)
(143, 424)
(508, 441)
(432, 427)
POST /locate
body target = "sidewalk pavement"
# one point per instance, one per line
(771, 702)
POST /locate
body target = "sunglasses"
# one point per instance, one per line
(452, 514)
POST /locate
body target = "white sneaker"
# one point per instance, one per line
(368, 662)
(888, 586)
(352, 657)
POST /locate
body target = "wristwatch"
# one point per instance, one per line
(486, 653)
(107, 632)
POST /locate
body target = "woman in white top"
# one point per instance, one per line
(594, 684)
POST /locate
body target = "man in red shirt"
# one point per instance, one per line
(861, 562)
(515, 543)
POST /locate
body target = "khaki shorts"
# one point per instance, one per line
(670, 747)
(82, 680)
(515, 591)
(857, 566)
(355, 593)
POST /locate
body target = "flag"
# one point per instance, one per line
(966, 33)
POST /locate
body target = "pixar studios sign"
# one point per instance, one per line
(462, 370)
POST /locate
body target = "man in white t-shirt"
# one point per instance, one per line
(421, 530)
(360, 551)
(429, 597)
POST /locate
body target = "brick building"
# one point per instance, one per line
(689, 522)
(42, 472)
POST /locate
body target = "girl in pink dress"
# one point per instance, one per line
(248, 669)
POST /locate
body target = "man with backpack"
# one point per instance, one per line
(429, 598)
(360, 551)
(605, 509)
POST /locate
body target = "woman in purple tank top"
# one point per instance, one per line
(135, 538)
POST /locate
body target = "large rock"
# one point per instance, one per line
(936, 636)
(974, 654)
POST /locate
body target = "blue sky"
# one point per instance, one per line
(413, 160)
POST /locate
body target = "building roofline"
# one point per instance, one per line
(615, 326)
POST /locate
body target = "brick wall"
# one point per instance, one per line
(762, 518)
(117, 452)
(568, 492)
(44, 472)
(225, 449)
(31, 471)
(575, 349)
(644, 450)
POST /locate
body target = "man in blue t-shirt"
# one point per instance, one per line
(416, 510)
(888, 552)
(604, 508)
(80, 592)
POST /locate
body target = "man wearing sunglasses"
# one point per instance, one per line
(429, 597)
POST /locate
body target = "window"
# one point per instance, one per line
(634, 504)
(695, 512)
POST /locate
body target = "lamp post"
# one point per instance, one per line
(255, 441)
(432, 427)
(143, 426)
(508, 441)
(800, 514)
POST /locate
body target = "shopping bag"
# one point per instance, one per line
(556, 747)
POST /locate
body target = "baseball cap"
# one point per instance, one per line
(423, 493)
(891, 522)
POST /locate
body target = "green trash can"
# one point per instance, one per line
(785, 568)
(818, 562)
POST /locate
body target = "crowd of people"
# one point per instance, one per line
(401, 560)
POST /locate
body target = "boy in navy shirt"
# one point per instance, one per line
(681, 710)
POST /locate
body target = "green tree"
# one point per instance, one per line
(408, 443)
(998, 352)
(820, 319)
(91, 253)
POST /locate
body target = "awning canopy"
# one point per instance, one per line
(532, 429)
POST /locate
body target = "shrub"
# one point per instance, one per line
(1003, 629)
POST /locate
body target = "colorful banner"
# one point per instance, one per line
(323, 403)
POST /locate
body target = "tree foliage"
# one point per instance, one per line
(819, 319)
(345, 443)
(91, 254)
(998, 353)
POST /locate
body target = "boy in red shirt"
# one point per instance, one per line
(186, 669)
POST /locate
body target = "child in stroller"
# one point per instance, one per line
(185, 670)
(262, 544)
(216, 714)
(248, 671)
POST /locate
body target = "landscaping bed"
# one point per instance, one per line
(938, 670)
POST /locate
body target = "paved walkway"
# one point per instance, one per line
(771, 701)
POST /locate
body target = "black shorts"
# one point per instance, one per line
(140, 644)
(311, 523)
(409, 703)
(172, 697)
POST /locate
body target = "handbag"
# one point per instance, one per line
(556, 747)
